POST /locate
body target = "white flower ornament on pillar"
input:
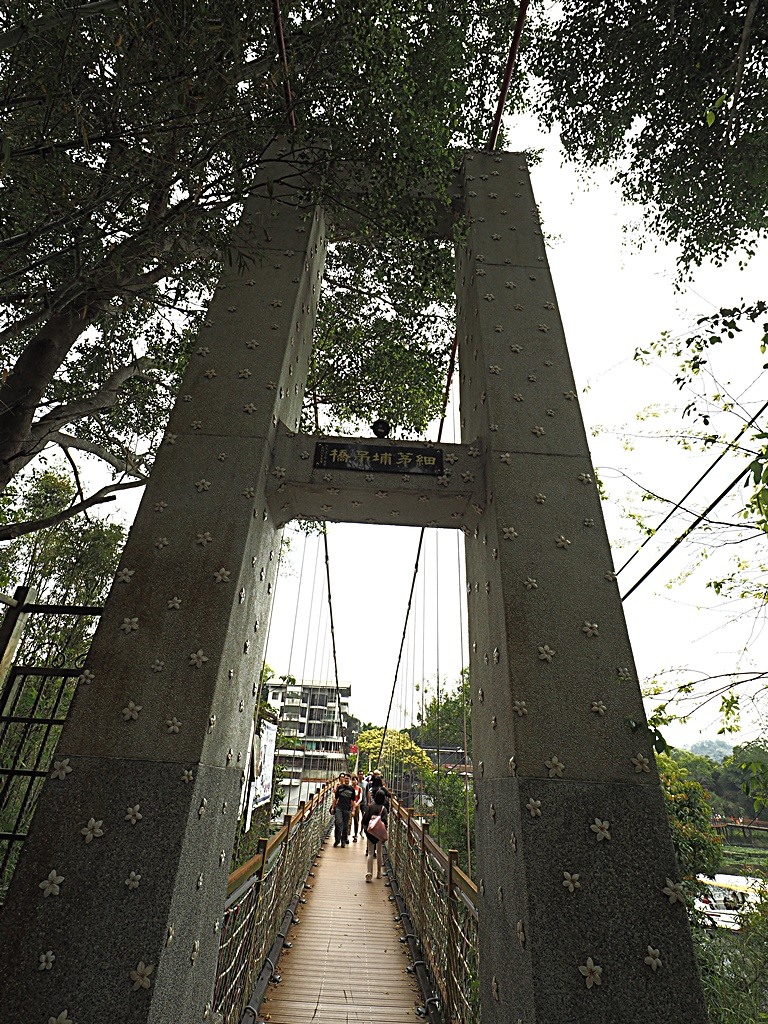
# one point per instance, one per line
(641, 763)
(534, 808)
(129, 625)
(197, 659)
(653, 960)
(63, 1018)
(124, 576)
(571, 881)
(131, 711)
(673, 891)
(92, 830)
(45, 961)
(555, 767)
(51, 885)
(545, 653)
(133, 814)
(61, 769)
(591, 973)
(140, 976)
(601, 829)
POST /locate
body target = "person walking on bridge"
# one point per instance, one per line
(376, 809)
(343, 798)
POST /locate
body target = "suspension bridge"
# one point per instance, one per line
(120, 905)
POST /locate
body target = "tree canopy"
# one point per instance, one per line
(135, 131)
(671, 97)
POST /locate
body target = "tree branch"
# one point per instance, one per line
(14, 530)
(126, 465)
(99, 401)
(741, 59)
(13, 36)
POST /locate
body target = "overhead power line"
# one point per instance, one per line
(691, 489)
(686, 533)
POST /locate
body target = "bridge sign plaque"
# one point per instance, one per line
(366, 458)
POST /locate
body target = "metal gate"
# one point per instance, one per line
(34, 702)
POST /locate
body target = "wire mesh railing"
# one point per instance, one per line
(442, 905)
(260, 894)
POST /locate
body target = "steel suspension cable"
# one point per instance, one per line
(449, 378)
(333, 647)
(463, 688)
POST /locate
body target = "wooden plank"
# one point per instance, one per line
(346, 965)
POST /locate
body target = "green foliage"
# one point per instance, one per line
(452, 799)
(73, 563)
(444, 720)
(697, 846)
(734, 970)
(132, 139)
(399, 753)
(672, 97)
(383, 335)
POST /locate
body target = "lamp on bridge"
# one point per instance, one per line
(381, 428)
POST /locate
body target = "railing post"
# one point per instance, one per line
(452, 962)
(12, 627)
(422, 876)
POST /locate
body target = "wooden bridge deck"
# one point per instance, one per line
(346, 965)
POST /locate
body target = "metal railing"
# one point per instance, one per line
(442, 905)
(34, 704)
(260, 893)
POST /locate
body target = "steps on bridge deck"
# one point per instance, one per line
(346, 965)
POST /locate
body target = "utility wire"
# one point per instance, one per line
(690, 491)
(686, 533)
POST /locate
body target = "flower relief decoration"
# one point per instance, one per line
(45, 960)
(61, 769)
(672, 890)
(652, 959)
(591, 973)
(140, 976)
(51, 885)
(601, 829)
(92, 830)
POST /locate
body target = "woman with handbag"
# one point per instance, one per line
(375, 828)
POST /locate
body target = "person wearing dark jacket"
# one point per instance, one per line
(343, 797)
(376, 807)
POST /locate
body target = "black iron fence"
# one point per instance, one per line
(34, 703)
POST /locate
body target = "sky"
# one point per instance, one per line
(614, 297)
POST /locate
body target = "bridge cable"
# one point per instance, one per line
(449, 378)
(333, 646)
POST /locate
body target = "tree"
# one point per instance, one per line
(446, 719)
(134, 135)
(723, 417)
(672, 97)
(399, 753)
(73, 564)
(697, 846)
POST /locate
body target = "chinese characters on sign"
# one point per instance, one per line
(374, 459)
